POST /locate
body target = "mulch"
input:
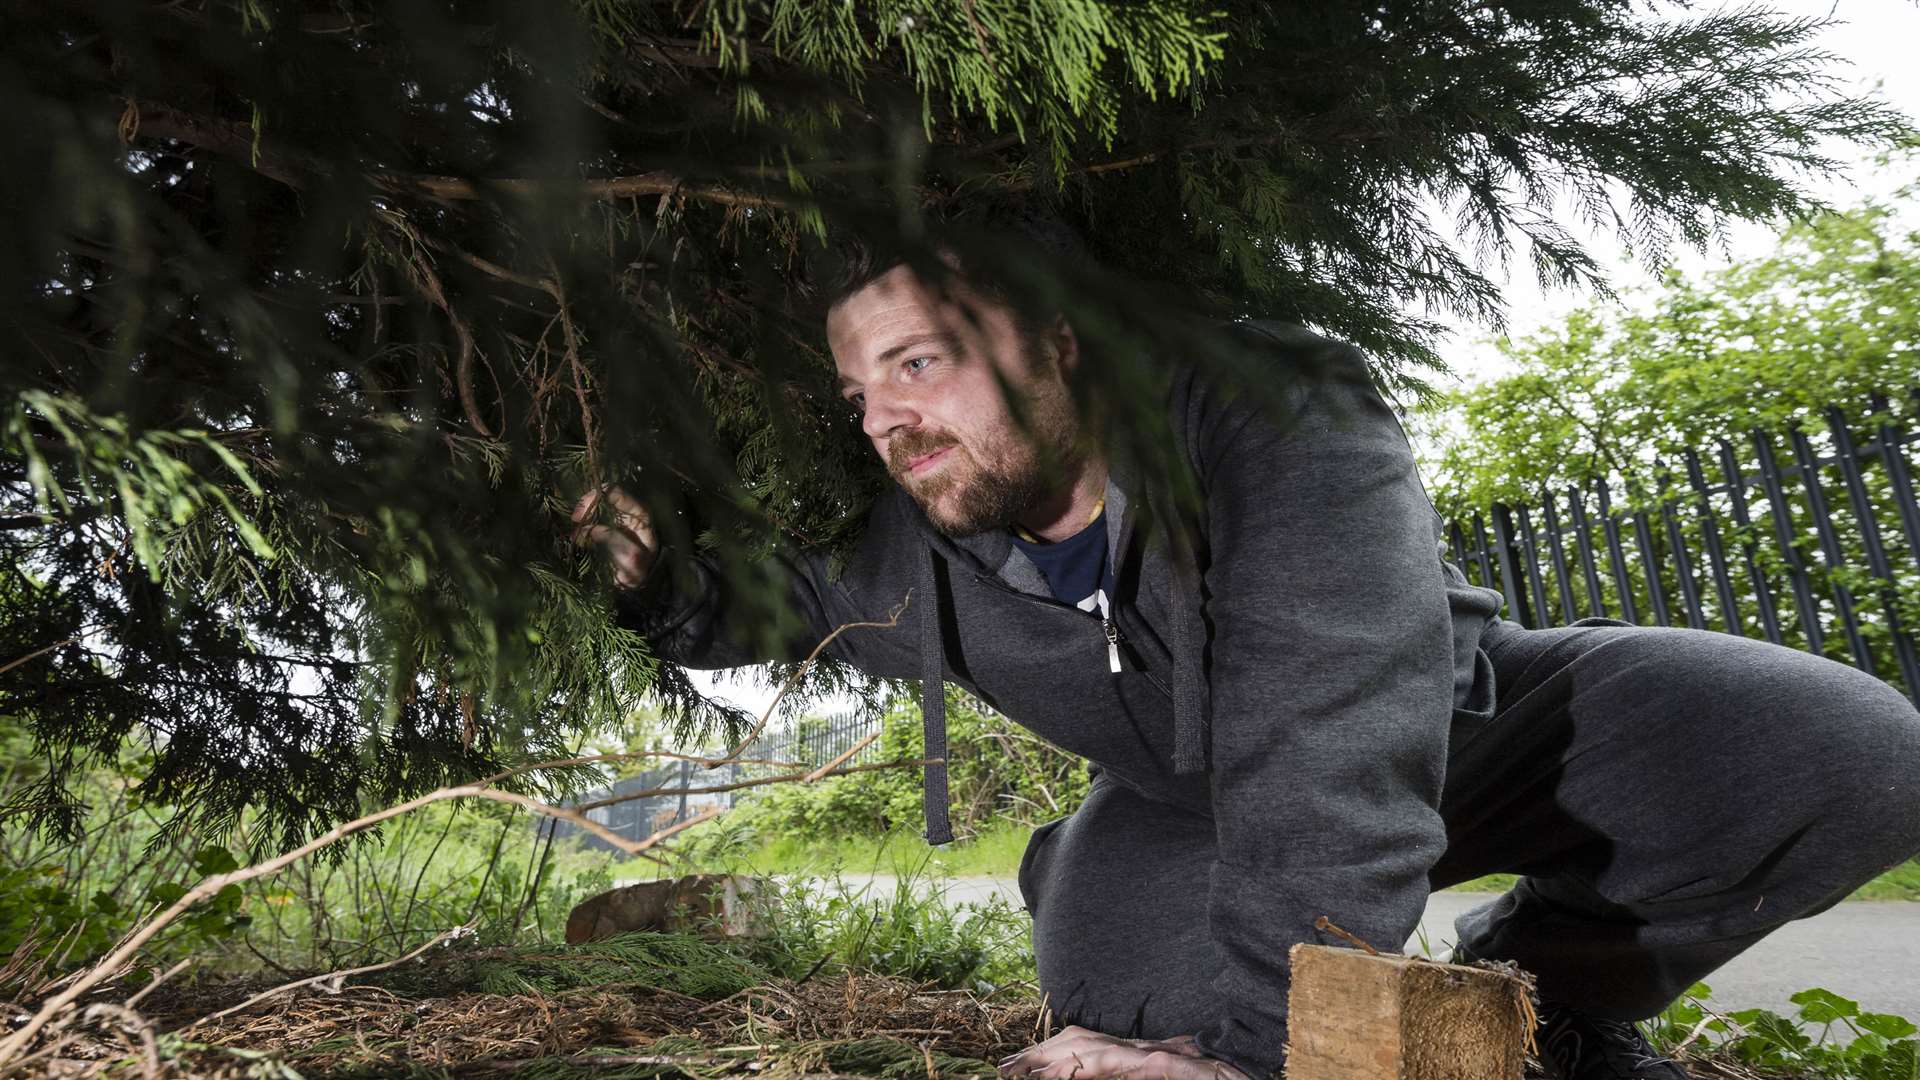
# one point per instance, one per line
(841, 1025)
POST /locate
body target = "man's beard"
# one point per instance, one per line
(990, 489)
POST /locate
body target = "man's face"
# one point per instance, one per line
(971, 414)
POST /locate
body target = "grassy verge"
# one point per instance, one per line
(996, 853)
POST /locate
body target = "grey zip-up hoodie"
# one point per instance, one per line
(1295, 675)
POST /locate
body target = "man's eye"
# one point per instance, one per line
(857, 402)
(918, 363)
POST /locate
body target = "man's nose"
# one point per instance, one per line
(885, 413)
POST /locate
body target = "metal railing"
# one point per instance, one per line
(813, 743)
(1781, 556)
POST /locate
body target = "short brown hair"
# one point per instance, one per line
(954, 241)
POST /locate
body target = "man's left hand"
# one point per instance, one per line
(1079, 1054)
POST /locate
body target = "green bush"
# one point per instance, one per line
(999, 774)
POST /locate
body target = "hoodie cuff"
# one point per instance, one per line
(1261, 1056)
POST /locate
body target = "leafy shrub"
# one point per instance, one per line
(998, 772)
(1829, 1038)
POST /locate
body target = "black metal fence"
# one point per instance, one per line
(814, 742)
(1766, 548)
(819, 742)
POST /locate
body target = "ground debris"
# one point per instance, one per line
(525, 1013)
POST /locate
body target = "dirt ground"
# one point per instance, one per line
(651, 1007)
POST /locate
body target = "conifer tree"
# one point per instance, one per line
(319, 313)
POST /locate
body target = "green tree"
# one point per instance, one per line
(318, 314)
(1621, 394)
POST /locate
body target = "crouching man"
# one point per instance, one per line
(1305, 711)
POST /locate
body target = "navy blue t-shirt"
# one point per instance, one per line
(1075, 568)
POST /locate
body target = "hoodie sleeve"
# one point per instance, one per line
(1331, 678)
(693, 615)
(686, 613)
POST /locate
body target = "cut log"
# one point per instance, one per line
(715, 904)
(1356, 1016)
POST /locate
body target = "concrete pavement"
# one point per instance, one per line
(1868, 951)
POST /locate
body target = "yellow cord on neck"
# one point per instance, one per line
(1091, 518)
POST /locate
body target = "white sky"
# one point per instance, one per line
(1878, 39)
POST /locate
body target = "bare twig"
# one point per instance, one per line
(892, 620)
(460, 189)
(11, 664)
(153, 985)
(837, 762)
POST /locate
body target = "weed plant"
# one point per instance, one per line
(1829, 1037)
(907, 929)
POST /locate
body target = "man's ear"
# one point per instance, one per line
(1066, 346)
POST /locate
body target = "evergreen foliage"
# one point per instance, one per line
(318, 315)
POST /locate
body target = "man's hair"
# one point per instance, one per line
(972, 243)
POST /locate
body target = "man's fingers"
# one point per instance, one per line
(1079, 1054)
(624, 504)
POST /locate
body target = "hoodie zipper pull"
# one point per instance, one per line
(1113, 644)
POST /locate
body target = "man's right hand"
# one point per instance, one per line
(628, 540)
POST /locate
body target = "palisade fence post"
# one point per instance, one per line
(1656, 591)
(1558, 551)
(1696, 617)
(1629, 610)
(1782, 516)
(1459, 542)
(1481, 552)
(1749, 548)
(1682, 560)
(1716, 552)
(1809, 466)
(1510, 567)
(1877, 562)
(1899, 477)
(1537, 588)
(1583, 543)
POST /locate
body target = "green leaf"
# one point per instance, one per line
(213, 860)
(1824, 1006)
(1886, 1025)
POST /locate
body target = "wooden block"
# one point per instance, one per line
(682, 903)
(1355, 1016)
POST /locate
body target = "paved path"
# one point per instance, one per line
(1868, 951)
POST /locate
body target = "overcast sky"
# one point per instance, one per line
(1878, 39)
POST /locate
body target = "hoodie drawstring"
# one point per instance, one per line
(933, 701)
(1190, 698)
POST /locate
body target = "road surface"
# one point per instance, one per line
(1865, 950)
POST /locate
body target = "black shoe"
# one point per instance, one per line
(1577, 1046)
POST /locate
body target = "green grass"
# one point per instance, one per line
(996, 853)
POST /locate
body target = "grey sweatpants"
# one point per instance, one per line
(1670, 795)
